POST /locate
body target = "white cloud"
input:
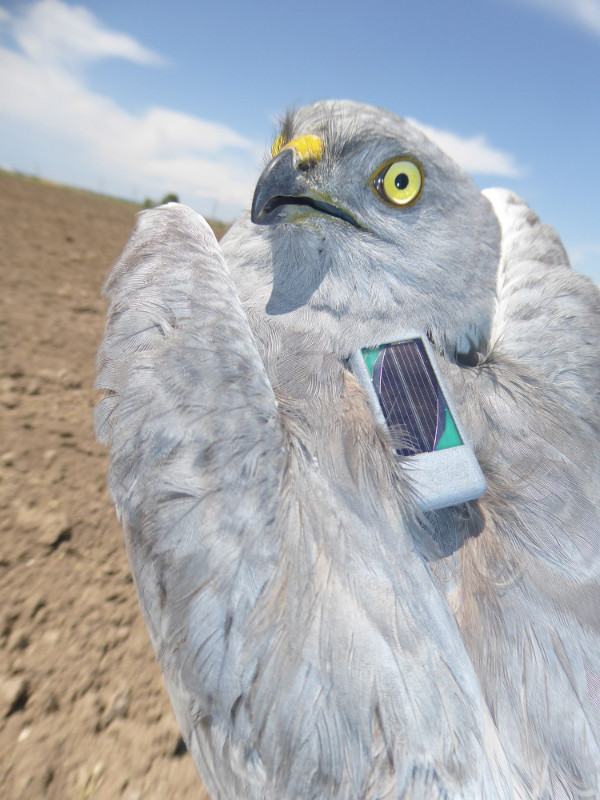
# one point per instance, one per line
(55, 33)
(585, 13)
(582, 252)
(474, 154)
(43, 88)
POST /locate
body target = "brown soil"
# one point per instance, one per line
(83, 711)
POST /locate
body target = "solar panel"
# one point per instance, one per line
(406, 393)
(411, 398)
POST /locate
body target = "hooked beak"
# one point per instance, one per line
(282, 186)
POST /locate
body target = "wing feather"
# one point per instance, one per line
(528, 602)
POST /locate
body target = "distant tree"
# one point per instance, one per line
(170, 198)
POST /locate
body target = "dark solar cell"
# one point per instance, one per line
(410, 397)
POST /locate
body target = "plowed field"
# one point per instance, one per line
(83, 711)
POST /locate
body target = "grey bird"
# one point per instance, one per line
(320, 636)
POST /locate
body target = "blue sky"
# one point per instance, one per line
(140, 99)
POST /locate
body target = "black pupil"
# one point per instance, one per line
(401, 181)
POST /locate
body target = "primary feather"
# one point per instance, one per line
(319, 636)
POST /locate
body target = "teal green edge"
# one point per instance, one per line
(370, 357)
(450, 437)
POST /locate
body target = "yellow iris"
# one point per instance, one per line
(400, 182)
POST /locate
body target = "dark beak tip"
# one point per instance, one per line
(257, 210)
(279, 177)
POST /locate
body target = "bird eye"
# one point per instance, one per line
(399, 183)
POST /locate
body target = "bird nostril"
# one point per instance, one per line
(305, 165)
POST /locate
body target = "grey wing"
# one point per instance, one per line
(196, 448)
(305, 647)
(529, 598)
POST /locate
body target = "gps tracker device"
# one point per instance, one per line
(407, 396)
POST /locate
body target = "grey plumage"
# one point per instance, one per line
(319, 636)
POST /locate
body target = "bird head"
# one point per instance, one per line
(361, 228)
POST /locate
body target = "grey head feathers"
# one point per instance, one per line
(410, 267)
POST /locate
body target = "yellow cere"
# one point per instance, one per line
(308, 148)
(277, 146)
(400, 182)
